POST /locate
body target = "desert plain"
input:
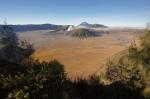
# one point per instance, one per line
(80, 57)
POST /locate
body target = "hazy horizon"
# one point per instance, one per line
(114, 13)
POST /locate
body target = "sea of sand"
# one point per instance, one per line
(80, 57)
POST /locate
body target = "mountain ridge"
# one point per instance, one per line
(32, 27)
(87, 25)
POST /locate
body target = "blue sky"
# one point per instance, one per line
(109, 12)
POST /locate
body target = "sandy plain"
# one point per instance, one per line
(80, 57)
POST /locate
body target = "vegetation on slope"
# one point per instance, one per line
(82, 33)
(131, 68)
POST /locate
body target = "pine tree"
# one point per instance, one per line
(8, 36)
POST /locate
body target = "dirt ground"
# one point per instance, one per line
(79, 56)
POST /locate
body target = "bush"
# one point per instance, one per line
(121, 69)
(146, 93)
(43, 81)
(131, 68)
(18, 94)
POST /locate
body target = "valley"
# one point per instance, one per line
(79, 56)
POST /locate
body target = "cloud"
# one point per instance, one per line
(84, 18)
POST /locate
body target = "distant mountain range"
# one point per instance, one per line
(87, 25)
(31, 27)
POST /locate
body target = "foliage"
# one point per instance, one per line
(18, 94)
(15, 53)
(144, 55)
(126, 72)
(7, 35)
(12, 51)
(146, 93)
(43, 80)
(132, 67)
(26, 45)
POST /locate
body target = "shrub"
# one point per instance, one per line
(18, 94)
(43, 81)
(127, 72)
(146, 93)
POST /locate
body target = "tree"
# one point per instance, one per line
(8, 36)
(41, 80)
(13, 51)
(123, 69)
(144, 53)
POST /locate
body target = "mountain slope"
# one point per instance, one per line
(82, 33)
(31, 27)
(87, 25)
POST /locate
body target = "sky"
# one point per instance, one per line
(129, 13)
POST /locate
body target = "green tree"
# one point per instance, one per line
(8, 36)
(42, 80)
(144, 52)
(122, 69)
